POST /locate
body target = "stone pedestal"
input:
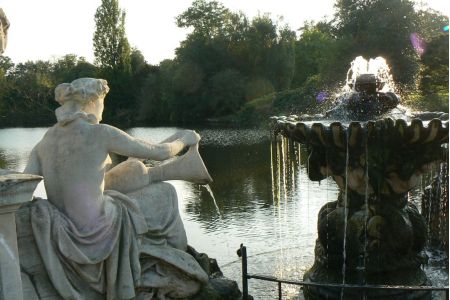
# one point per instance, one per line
(372, 234)
(15, 189)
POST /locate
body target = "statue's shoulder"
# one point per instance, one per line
(109, 130)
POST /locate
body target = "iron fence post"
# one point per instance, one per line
(243, 253)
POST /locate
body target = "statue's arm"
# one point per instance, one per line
(33, 165)
(120, 142)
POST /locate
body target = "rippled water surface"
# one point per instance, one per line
(260, 197)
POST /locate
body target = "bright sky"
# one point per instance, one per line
(47, 29)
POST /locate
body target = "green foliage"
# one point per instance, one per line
(430, 23)
(235, 69)
(71, 67)
(434, 74)
(206, 17)
(113, 57)
(380, 28)
(226, 93)
(258, 87)
(111, 47)
(27, 89)
(313, 52)
(137, 62)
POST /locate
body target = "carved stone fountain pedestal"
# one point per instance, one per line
(371, 234)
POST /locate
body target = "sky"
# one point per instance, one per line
(49, 29)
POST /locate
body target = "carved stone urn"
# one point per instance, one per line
(371, 234)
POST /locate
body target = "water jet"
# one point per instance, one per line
(372, 234)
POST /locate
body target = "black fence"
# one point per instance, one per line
(242, 252)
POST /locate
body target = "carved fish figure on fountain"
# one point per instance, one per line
(371, 234)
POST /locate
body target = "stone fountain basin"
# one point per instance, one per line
(384, 157)
(371, 234)
(335, 133)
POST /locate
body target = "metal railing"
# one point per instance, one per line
(242, 252)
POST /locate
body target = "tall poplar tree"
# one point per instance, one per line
(111, 47)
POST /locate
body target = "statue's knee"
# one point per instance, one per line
(127, 176)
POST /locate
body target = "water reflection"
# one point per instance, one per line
(261, 196)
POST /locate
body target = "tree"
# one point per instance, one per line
(6, 65)
(111, 47)
(430, 23)
(380, 28)
(261, 37)
(30, 89)
(281, 64)
(206, 17)
(71, 67)
(113, 57)
(319, 53)
(227, 93)
(137, 61)
(434, 72)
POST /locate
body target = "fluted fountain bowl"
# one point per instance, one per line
(371, 234)
(384, 157)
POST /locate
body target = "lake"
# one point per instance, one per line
(261, 197)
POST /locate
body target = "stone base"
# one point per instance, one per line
(36, 284)
(218, 287)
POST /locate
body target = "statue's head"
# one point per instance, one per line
(4, 26)
(81, 95)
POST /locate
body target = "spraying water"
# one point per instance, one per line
(376, 66)
(369, 91)
(208, 188)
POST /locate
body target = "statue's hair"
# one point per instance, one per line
(82, 90)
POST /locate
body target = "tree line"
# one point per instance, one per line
(229, 61)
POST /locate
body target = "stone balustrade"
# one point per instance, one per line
(15, 190)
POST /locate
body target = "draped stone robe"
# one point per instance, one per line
(127, 249)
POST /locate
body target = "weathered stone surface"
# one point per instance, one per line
(15, 189)
(385, 158)
(30, 260)
(374, 165)
(85, 242)
(435, 209)
(219, 289)
(29, 292)
(37, 283)
(4, 26)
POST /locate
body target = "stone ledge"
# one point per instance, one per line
(16, 188)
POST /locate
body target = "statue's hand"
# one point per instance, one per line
(190, 138)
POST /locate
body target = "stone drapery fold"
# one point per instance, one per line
(104, 262)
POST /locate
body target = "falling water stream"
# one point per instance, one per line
(249, 202)
(344, 253)
(208, 188)
(366, 204)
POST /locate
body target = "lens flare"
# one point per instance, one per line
(322, 96)
(418, 43)
(445, 28)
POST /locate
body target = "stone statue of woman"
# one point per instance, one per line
(112, 243)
